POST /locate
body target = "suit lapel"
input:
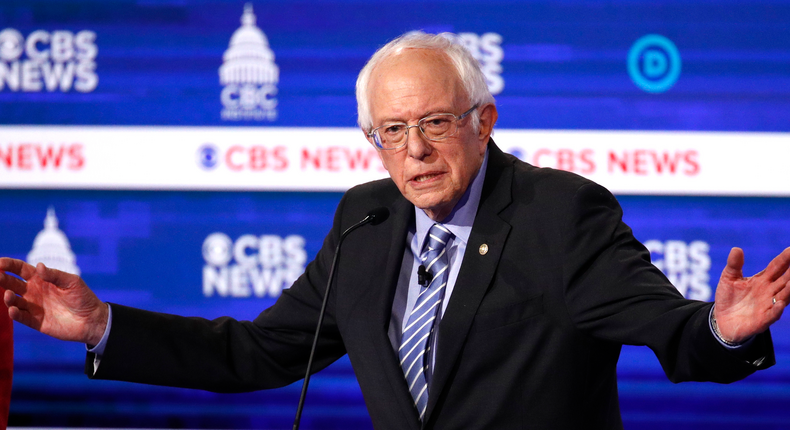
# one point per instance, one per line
(477, 270)
(401, 217)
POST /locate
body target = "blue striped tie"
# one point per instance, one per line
(415, 349)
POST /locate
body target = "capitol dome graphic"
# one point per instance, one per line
(249, 74)
(52, 247)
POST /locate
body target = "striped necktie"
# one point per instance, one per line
(415, 349)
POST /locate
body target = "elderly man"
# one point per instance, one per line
(497, 295)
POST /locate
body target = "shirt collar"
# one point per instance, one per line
(460, 220)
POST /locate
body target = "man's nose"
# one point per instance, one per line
(417, 144)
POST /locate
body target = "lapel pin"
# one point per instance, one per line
(483, 249)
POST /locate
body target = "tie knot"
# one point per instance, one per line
(438, 236)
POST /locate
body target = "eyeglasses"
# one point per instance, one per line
(436, 127)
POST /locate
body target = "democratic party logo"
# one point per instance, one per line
(48, 61)
(654, 63)
(249, 75)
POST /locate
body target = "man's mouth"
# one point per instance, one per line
(423, 178)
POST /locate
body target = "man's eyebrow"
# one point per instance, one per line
(424, 114)
(444, 109)
(392, 119)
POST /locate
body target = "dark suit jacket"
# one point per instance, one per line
(530, 338)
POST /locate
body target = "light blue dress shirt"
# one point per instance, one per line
(459, 222)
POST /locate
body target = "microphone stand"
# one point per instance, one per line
(375, 217)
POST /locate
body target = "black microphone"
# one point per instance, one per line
(424, 277)
(374, 217)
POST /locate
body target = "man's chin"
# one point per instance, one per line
(436, 209)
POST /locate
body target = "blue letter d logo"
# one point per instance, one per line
(654, 63)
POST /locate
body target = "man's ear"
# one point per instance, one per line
(488, 117)
(369, 139)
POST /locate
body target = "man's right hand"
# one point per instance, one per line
(55, 303)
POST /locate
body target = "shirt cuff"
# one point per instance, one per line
(729, 345)
(98, 349)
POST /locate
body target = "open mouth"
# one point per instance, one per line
(426, 177)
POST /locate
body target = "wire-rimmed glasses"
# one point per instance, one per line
(434, 127)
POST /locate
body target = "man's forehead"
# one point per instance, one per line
(409, 54)
(413, 61)
(421, 79)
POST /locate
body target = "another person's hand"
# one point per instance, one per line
(55, 303)
(748, 306)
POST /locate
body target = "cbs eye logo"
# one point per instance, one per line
(654, 63)
(208, 156)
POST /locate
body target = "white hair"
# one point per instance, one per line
(468, 68)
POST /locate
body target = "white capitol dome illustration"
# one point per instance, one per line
(52, 247)
(248, 59)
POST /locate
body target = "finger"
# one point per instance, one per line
(23, 317)
(8, 297)
(12, 300)
(17, 267)
(12, 283)
(778, 265)
(783, 294)
(59, 279)
(734, 267)
(782, 283)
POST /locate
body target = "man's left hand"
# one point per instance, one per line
(748, 306)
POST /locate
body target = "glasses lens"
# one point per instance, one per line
(377, 139)
(438, 127)
(390, 135)
(434, 127)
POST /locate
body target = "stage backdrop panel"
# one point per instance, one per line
(187, 157)
(231, 253)
(633, 65)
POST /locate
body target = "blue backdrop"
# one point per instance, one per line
(563, 64)
(722, 66)
(145, 249)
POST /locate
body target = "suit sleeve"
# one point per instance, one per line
(614, 293)
(226, 355)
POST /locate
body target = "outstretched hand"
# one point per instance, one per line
(748, 306)
(55, 303)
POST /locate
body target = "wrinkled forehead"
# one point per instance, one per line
(415, 69)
